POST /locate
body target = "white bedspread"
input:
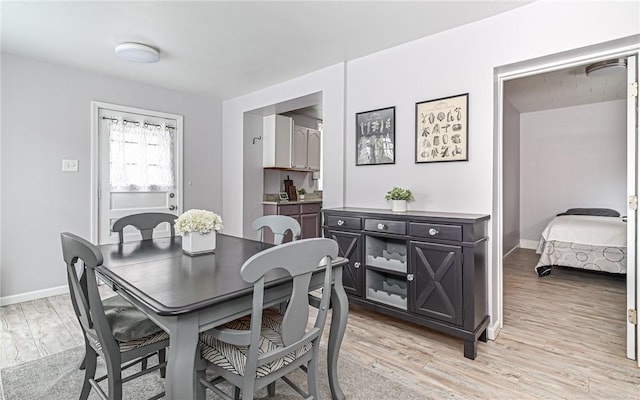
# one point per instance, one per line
(586, 229)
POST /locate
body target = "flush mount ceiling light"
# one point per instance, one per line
(606, 68)
(136, 52)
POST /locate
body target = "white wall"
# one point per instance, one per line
(571, 157)
(330, 82)
(415, 72)
(457, 61)
(45, 118)
(252, 191)
(511, 178)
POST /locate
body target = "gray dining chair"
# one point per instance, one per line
(145, 223)
(279, 225)
(254, 351)
(121, 336)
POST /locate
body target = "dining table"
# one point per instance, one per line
(186, 295)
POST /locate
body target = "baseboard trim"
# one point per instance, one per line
(511, 251)
(37, 294)
(529, 244)
(493, 331)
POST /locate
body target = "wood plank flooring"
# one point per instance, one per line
(563, 338)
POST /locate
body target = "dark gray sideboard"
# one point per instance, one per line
(425, 267)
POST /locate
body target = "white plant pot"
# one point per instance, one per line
(398, 205)
(194, 243)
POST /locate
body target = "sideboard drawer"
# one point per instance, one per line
(386, 226)
(310, 208)
(436, 231)
(336, 221)
(292, 209)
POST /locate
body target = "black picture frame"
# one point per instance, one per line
(376, 137)
(442, 129)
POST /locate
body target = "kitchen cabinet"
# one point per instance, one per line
(276, 141)
(427, 268)
(286, 146)
(307, 215)
(306, 149)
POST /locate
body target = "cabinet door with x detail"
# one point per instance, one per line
(435, 290)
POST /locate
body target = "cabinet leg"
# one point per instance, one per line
(470, 349)
(483, 337)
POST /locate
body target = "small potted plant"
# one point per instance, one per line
(198, 230)
(399, 198)
(301, 193)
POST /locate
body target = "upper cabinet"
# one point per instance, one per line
(306, 149)
(290, 147)
(276, 147)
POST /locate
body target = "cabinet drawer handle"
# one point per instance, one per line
(340, 222)
(410, 277)
(382, 226)
(356, 265)
(433, 231)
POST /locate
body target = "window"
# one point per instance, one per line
(141, 155)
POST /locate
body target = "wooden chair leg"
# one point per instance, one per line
(89, 362)
(115, 380)
(312, 373)
(162, 357)
(271, 389)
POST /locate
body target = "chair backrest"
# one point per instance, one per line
(83, 288)
(144, 222)
(279, 225)
(300, 259)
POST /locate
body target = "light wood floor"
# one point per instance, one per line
(563, 338)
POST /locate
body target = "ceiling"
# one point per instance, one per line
(225, 49)
(564, 88)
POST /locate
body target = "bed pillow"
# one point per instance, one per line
(600, 212)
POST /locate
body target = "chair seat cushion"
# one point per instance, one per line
(126, 321)
(234, 358)
(132, 344)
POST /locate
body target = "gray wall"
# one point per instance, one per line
(510, 178)
(45, 118)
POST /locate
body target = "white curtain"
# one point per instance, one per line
(141, 157)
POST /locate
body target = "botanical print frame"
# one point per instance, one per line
(442, 129)
(376, 137)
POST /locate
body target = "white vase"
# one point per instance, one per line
(398, 205)
(194, 243)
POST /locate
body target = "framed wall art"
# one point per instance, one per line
(442, 129)
(376, 137)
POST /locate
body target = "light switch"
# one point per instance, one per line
(70, 165)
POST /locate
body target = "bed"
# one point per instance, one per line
(596, 241)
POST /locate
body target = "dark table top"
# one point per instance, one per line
(169, 282)
(158, 274)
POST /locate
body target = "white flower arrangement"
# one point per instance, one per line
(201, 221)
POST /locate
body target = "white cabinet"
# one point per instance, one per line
(289, 147)
(306, 149)
(276, 146)
(314, 141)
(299, 148)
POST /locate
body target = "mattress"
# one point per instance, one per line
(588, 242)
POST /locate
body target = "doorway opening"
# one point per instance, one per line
(265, 183)
(516, 226)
